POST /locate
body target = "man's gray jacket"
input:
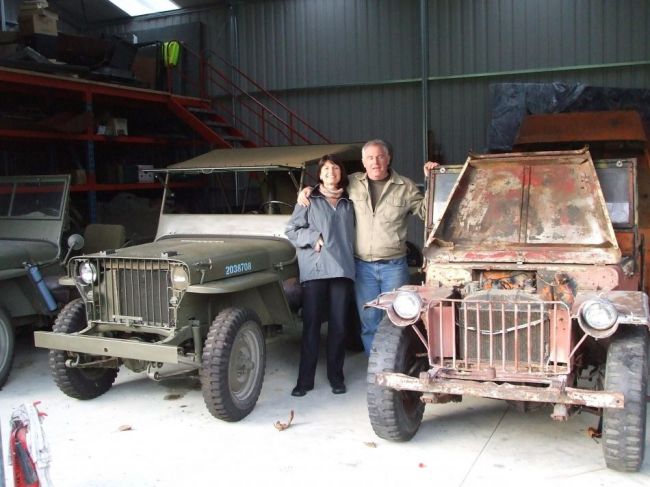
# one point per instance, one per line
(307, 224)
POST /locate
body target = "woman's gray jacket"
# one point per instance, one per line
(307, 224)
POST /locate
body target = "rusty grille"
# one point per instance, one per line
(505, 337)
(133, 290)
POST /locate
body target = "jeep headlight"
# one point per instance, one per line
(599, 314)
(180, 278)
(88, 273)
(407, 305)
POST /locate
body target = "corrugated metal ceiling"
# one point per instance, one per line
(83, 13)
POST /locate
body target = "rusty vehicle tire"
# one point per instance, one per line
(394, 415)
(626, 371)
(80, 383)
(7, 344)
(233, 364)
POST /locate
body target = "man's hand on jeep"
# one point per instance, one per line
(303, 196)
(428, 166)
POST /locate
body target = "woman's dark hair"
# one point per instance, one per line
(343, 183)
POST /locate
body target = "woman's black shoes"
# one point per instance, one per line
(300, 391)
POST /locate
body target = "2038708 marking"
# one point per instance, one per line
(238, 268)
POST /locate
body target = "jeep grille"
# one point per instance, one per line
(504, 337)
(134, 291)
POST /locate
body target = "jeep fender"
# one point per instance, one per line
(632, 306)
(260, 291)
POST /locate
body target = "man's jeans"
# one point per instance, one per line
(372, 279)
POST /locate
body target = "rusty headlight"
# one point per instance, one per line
(599, 314)
(407, 305)
(87, 273)
(180, 278)
(598, 318)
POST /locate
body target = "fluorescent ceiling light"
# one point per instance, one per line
(143, 7)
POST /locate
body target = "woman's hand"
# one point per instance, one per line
(319, 244)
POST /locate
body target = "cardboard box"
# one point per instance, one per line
(145, 177)
(38, 21)
(117, 126)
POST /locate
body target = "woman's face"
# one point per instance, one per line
(330, 174)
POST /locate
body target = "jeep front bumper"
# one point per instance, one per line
(107, 347)
(554, 393)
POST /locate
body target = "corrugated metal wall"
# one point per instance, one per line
(351, 67)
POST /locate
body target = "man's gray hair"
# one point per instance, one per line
(378, 142)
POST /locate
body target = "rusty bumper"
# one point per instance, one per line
(549, 394)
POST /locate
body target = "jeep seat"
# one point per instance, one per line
(99, 236)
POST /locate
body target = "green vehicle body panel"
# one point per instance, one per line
(32, 217)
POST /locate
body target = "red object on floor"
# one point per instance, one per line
(25, 474)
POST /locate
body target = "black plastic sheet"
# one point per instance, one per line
(511, 102)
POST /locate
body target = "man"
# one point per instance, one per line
(382, 201)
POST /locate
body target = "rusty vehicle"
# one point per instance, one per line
(610, 135)
(529, 297)
(219, 274)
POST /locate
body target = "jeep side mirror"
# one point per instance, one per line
(75, 242)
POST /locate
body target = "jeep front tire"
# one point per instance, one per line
(394, 415)
(233, 364)
(80, 383)
(626, 371)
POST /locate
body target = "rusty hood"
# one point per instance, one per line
(537, 207)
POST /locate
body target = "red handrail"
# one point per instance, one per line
(291, 113)
(283, 121)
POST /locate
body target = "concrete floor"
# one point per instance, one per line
(174, 441)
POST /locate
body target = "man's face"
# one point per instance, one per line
(376, 161)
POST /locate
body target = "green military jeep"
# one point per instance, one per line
(32, 215)
(198, 297)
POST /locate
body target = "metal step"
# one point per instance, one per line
(214, 123)
(234, 138)
(200, 110)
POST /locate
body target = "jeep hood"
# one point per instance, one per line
(211, 258)
(14, 253)
(538, 207)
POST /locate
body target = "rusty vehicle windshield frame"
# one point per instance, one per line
(614, 207)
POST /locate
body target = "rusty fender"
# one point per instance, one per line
(550, 394)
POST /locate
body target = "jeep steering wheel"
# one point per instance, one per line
(264, 205)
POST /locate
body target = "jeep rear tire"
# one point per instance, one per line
(394, 415)
(626, 371)
(80, 383)
(233, 364)
(7, 345)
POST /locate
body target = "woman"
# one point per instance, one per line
(323, 234)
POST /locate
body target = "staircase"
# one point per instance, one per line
(229, 113)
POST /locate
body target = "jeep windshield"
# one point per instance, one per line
(32, 214)
(35, 198)
(261, 180)
(232, 192)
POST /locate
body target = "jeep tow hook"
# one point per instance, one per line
(107, 363)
